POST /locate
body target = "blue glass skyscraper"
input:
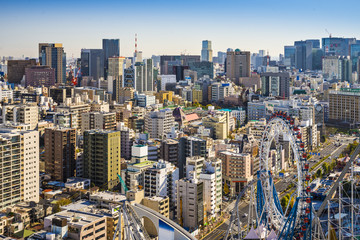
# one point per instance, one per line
(111, 48)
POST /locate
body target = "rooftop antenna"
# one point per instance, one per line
(135, 42)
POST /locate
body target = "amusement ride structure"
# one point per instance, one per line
(266, 215)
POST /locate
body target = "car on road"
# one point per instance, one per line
(245, 215)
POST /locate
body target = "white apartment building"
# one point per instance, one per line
(158, 123)
(65, 120)
(160, 180)
(20, 166)
(28, 114)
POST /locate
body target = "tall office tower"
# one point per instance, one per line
(115, 75)
(303, 53)
(149, 71)
(92, 63)
(187, 59)
(206, 51)
(169, 150)
(28, 114)
(202, 69)
(167, 62)
(158, 123)
(275, 84)
(189, 147)
(354, 54)
(53, 55)
(221, 57)
(19, 180)
(334, 46)
(144, 76)
(16, 69)
(289, 55)
(60, 156)
(237, 64)
(37, 76)
(102, 161)
(111, 48)
(98, 120)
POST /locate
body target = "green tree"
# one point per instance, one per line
(284, 202)
(61, 202)
(319, 173)
(326, 168)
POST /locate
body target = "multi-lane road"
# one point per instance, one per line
(334, 148)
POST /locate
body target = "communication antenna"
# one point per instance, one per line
(135, 42)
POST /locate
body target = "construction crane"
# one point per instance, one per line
(328, 32)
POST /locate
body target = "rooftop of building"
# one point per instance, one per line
(347, 91)
(143, 164)
(157, 199)
(77, 218)
(109, 196)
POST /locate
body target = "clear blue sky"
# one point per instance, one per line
(171, 27)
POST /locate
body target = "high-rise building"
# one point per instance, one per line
(354, 54)
(144, 76)
(16, 69)
(169, 150)
(167, 62)
(289, 55)
(206, 51)
(209, 172)
(92, 63)
(102, 155)
(158, 123)
(344, 106)
(237, 170)
(219, 123)
(116, 72)
(28, 114)
(237, 64)
(190, 203)
(304, 53)
(53, 55)
(188, 147)
(19, 180)
(60, 154)
(202, 68)
(125, 94)
(127, 138)
(160, 180)
(334, 46)
(111, 48)
(37, 76)
(98, 120)
(275, 84)
(337, 68)
(133, 175)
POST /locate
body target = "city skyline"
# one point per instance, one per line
(171, 28)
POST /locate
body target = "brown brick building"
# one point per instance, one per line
(60, 146)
